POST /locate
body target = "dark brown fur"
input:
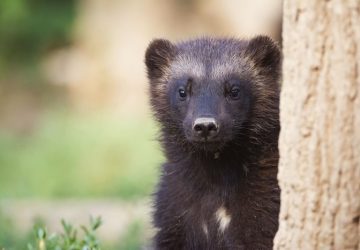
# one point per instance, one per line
(238, 173)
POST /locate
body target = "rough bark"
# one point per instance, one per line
(319, 172)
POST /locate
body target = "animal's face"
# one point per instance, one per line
(205, 91)
(210, 106)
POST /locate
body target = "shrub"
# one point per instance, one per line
(68, 240)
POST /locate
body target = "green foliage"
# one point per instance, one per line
(68, 240)
(29, 28)
(83, 238)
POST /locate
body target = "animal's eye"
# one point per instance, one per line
(182, 93)
(234, 93)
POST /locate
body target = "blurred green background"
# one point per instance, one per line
(76, 133)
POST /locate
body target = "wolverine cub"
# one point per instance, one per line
(217, 102)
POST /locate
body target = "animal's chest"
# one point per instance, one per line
(232, 221)
(210, 222)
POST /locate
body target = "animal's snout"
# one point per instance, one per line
(206, 127)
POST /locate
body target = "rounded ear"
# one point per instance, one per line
(158, 56)
(265, 53)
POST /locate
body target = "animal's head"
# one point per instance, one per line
(209, 92)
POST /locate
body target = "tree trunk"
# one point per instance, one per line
(319, 172)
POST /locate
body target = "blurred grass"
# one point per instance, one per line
(9, 238)
(70, 155)
(133, 239)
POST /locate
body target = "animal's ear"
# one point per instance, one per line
(265, 53)
(158, 56)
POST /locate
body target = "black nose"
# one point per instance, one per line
(206, 127)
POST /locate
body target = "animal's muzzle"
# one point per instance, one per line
(205, 128)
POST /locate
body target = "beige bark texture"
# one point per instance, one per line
(319, 172)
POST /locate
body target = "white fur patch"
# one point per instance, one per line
(205, 229)
(223, 68)
(192, 67)
(223, 218)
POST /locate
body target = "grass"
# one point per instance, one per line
(133, 239)
(69, 239)
(83, 237)
(70, 155)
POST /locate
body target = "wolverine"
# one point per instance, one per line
(217, 104)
